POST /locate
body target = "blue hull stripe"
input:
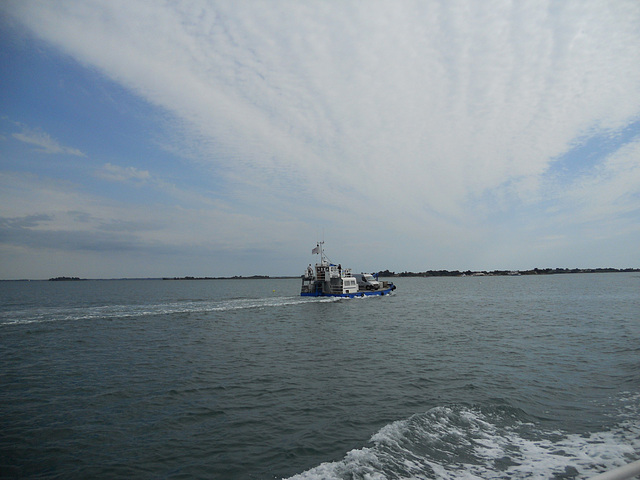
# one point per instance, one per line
(368, 293)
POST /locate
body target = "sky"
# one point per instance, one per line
(221, 138)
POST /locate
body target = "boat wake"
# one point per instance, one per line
(458, 442)
(78, 313)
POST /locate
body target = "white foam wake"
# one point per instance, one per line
(458, 443)
(52, 314)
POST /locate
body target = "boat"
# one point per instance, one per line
(330, 280)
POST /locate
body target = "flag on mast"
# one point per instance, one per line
(315, 250)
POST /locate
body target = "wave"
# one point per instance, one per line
(459, 442)
(53, 314)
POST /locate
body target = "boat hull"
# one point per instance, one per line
(359, 293)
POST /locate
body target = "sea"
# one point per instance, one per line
(494, 377)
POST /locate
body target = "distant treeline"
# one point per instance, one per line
(387, 273)
(535, 271)
(236, 277)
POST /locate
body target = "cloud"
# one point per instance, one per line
(25, 232)
(28, 221)
(70, 219)
(437, 120)
(45, 143)
(441, 99)
(610, 192)
(122, 174)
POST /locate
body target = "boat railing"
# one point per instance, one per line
(622, 473)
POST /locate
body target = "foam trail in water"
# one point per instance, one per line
(465, 443)
(52, 314)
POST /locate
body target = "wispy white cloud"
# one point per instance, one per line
(68, 218)
(460, 94)
(122, 174)
(45, 143)
(610, 192)
(444, 118)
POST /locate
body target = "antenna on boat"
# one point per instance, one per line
(319, 250)
(322, 259)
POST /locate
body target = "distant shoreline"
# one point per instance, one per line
(235, 277)
(382, 273)
(534, 271)
(446, 273)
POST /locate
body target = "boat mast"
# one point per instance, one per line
(322, 260)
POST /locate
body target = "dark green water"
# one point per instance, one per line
(483, 377)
